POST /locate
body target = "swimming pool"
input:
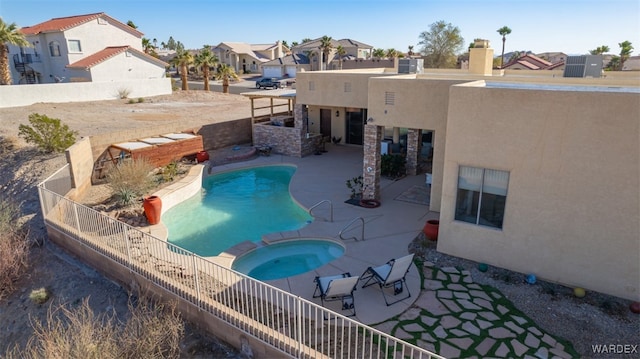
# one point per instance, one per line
(287, 258)
(233, 207)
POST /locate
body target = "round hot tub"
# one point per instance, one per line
(288, 258)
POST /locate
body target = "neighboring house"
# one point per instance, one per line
(82, 48)
(553, 57)
(287, 66)
(632, 64)
(531, 62)
(248, 58)
(354, 50)
(530, 171)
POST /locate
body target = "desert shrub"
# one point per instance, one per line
(130, 179)
(140, 99)
(169, 172)
(40, 295)
(48, 134)
(131, 101)
(124, 93)
(392, 165)
(7, 144)
(152, 331)
(14, 247)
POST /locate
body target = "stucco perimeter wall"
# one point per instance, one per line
(572, 210)
(417, 104)
(25, 95)
(139, 284)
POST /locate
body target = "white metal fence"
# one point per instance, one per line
(291, 324)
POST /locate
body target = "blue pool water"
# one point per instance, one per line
(234, 207)
(286, 259)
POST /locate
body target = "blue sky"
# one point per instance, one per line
(570, 26)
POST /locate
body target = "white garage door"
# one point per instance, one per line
(291, 71)
(271, 71)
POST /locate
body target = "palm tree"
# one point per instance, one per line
(600, 50)
(378, 53)
(9, 34)
(182, 60)
(391, 53)
(325, 48)
(341, 52)
(204, 61)
(147, 46)
(310, 54)
(503, 31)
(625, 50)
(226, 73)
(410, 52)
(131, 24)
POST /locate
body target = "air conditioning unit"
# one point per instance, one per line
(410, 66)
(583, 66)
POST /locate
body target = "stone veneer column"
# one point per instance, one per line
(371, 162)
(300, 114)
(413, 151)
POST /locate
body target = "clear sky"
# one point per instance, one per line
(569, 26)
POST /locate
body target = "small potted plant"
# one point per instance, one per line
(355, 185)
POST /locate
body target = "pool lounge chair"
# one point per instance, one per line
(391, 274)
(337, 288)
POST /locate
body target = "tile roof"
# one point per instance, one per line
(65, 23)
(108, 53)
(293, 59)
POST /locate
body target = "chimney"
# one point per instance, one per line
(481, 58)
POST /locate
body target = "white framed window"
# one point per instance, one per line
(74, 46)
(54, 49)
(482, 196)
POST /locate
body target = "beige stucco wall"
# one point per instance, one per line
(418, 104)
(573, 205)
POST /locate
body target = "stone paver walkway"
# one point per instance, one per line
(458, 318)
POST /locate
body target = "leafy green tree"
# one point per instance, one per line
(294, 43)
(440, 44)
(9, 35)
(48, 134)
(171, 43)
(325, 48)
(204, 61)
(625, 51)
(600, 50)
(182, 60)
(503, 31)
(226, 73)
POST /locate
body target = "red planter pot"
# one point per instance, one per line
(202, 156)
(152, 209)
(430, 229)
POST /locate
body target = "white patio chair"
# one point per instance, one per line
(337, 287)
(390, 274)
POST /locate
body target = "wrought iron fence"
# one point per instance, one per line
(291, 324)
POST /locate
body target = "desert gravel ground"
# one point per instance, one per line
(594, 320)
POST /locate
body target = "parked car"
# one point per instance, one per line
(268, 82)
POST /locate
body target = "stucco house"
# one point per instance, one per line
(354, 50)
(82, 48)
(533, 62)
(248, 58)
(530, 171)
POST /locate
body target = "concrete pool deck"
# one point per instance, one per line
(388, 229)
(452, 316)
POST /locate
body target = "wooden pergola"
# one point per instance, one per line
(273, 95)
